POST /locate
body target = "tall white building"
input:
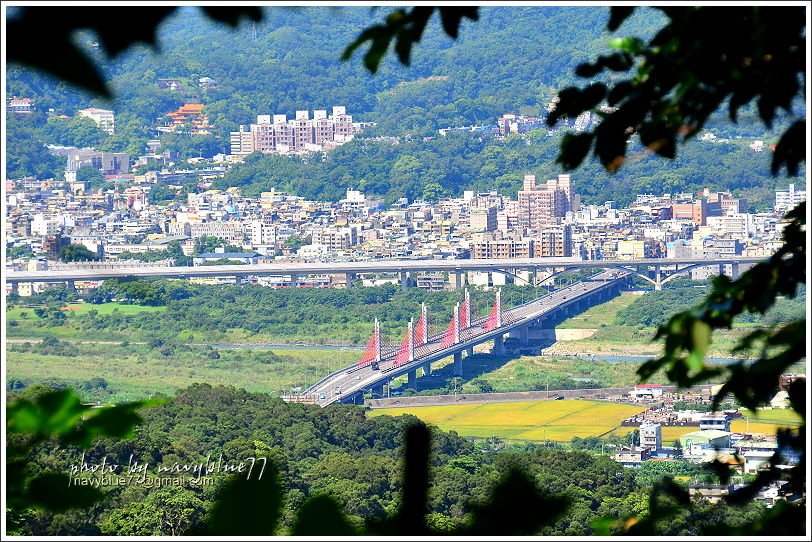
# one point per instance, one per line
(651, 436)
(786, 200)
(103, 117)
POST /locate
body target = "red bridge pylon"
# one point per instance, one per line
(406, 352)
(495, 317)
(452, 334)
(372, 353)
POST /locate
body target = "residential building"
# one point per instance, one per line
(275, 133)
(511, 123)
(104, 118)
(632, 456)
(109, 163)
(221, 254)
(553, 242)
(651, 436)
(713, 492)
(489, 247)
(431, 281)
(646, 391)
(483, 219)
(699, 442)
(786, 200)
(720, 422)
(542, 206)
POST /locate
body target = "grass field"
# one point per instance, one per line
(82, 308)
(599, 314)
(527, 420)
(134, 372)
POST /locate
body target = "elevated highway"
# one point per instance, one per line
(657, 271)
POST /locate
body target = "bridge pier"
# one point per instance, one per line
(377, 390)
(457, 363)
(404, 280)
(349, 277)
(734, 270)
(15, 288)
(469, 351)
(498, 346)
(412, 375)
(458, 279)
(524, 336)
(70, 285)
(427, 369)
(238, 281)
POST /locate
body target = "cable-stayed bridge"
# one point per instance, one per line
(423, 343)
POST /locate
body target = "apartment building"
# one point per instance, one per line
(486, 246)
(511, 123)
(483, 219)
(553, 242)
(109, 163)
(104, 118)
(336, 238)
(786, 200)
(275, 133)
(542, 206)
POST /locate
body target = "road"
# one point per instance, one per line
(377, 266)
(350, 380)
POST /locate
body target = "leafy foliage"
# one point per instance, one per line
(76, 253)
(62, 57)
(59, 415)
(734, 56)
(406, 28)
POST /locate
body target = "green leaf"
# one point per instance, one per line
(631, 45)
(247, 507)
(700, 337)
(54, 492)
(322, 516)
(618, 14)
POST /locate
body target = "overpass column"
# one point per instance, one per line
(238, 280)
(15, 288)
(458, 279)
(458, 364)
(377, 390)
(349, 278)
(469, 351)
(734, 268)
(721, 269)
(658, 278)
(427, 369)
(70, 285)
(412, 379)
(498, 346)
(524, 336)
(404, 280)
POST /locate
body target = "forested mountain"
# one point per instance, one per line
(340, 453)
(514, 59)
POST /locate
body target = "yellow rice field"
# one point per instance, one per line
(526, 420)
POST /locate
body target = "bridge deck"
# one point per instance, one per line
(353, 380)
(377, 266)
